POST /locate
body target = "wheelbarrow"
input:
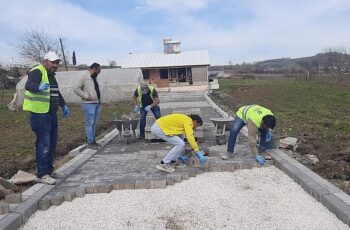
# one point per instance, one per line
(222, 125)
(126, 126)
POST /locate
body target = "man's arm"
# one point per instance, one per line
(252, 131)
(78, 89)
(33, 81)
(134, 98)
(156, 100)
(190, 135)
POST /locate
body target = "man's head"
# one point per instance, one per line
(197, 120)
(268, 122)
(51, 61)
(144, 88)
(95, 69)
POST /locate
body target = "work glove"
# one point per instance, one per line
(148, 108)
(183, 158)
(260, 159)
(65, 111)
(136, 109)
(44, 86)
(201, 157)
(268, 136)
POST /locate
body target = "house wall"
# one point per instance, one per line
(200, 74)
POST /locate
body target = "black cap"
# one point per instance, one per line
(269, 121)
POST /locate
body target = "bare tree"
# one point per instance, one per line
(337, 60)
(112, 63)
(35, 43)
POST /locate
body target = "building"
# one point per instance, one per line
(172, 67)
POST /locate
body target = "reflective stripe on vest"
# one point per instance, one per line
(38, 102)
(255, 113)
(139, 93)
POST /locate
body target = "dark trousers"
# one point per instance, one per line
(46, 130)
(237, 125)
(143, 114)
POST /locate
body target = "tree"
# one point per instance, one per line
(112, 63)
(336, 60)
(74, 59)
(36, 43)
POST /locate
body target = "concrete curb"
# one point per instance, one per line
(334, 199)
(19, 213)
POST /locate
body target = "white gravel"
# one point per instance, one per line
(260, 198)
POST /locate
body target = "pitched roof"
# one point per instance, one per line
(149, 60)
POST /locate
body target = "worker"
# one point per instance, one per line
(146, 99)
(42, 99)
(259, 120)
(171, 128)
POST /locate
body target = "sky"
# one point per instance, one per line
(232, 31)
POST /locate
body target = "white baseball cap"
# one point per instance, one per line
(52, 56)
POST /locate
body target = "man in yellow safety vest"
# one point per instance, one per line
(259, 120)
(42, 99)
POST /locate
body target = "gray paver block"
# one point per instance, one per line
(177, 178)
(185, 176)
(103, 188)
(14, 198)
(57, 199)
(44, 204)
(89, 189)
(27, 208)
(158, 184)
(170, 181)
(80, 192)
(116, 186)
(69, 196)
(336, 205)
(11, 221)
(228, 168)
(4, 207)
(142, 185)
(127, 185)
(214, 168)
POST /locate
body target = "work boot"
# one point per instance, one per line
(141, 137)
(93, 146)
(226, 155)
(46, 180)
(266, 155)
(165, 167)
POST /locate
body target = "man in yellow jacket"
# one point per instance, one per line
(259, 120)
(169, 128)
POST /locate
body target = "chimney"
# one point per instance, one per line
(171, 46)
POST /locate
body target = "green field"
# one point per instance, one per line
(318, 114)
(17, 139)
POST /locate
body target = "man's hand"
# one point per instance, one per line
(65, 111)
(260, 159)
(89, 98)
(43, 87)
(201, 157)
(148, 108)
(136, 109)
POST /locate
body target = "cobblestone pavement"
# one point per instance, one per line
(132, 166)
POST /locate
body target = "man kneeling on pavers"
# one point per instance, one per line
(258, 119)
(169, 128)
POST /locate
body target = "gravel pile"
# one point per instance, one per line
(260, 198)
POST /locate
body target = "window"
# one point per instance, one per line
(163, 73)
(145, 73)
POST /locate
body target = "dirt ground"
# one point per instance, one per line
(318, 114)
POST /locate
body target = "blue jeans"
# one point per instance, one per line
(91, 113)
(143, 114)
(45, 128)
(237, 125)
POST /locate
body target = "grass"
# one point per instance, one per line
(318, 114)
(17, 139)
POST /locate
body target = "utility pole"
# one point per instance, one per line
(64, 57)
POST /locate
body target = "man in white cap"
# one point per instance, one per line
(42, 99)
(145, 100)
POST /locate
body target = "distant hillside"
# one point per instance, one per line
(329, 61)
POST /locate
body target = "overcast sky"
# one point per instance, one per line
(237, 31)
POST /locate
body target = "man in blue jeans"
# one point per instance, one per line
(259, 120)
(88, 90)
(146, 100)
(42, 99)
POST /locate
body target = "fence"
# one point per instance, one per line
(6, 96)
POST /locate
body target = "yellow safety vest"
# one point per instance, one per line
(139, 93)
(38, 102)
(255, 113)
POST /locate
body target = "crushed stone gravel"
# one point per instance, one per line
(259, 198)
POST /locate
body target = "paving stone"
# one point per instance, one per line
(14, 198)
(228, 168)
(4, 207)
(214, 168)
(185, 176)
(57, 199)
(89, 189)
(44, 204)
(69, 196)
(103, 188)
(80, 192)
(127, 185)
(336, 205)
(170, 181)
(116, 186)
(11, 221)
(158, 184)
(26, 208)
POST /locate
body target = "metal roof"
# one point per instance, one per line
(151, 60)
